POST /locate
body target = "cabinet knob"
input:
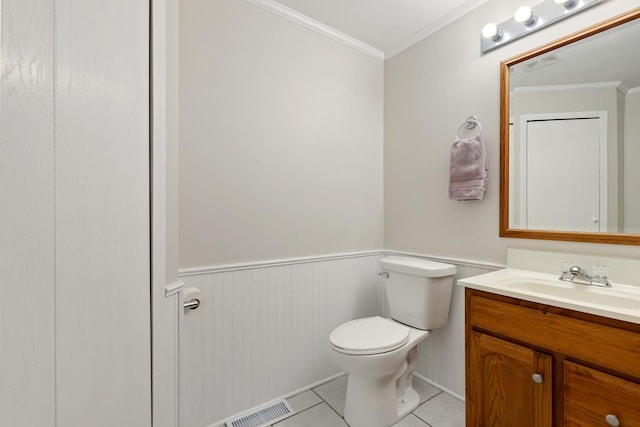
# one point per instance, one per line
(537, 378)
(612, 420)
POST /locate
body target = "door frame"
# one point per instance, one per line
(166, 287)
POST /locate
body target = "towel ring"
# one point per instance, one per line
(471, 123)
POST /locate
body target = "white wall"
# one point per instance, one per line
(280, 139)
(429, 90)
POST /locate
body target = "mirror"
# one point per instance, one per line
(570, 137)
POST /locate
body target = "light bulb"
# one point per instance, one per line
(491, 31)
(524, 15)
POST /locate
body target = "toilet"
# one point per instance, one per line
(380, 354)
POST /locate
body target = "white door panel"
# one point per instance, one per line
(27, 259)
(102, 213)
(563, 164)
(74, 214)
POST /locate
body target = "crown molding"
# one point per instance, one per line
(624, 88)
(304, 20)
(433, 27)
(579, 86)
(301, 19)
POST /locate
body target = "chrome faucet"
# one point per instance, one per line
(579, 275)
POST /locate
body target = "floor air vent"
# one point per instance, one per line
(264, 416)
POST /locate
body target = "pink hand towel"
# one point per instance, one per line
(468, 169)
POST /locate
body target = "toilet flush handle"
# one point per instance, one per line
(384, 274)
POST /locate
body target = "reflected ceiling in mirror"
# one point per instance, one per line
(570, 137)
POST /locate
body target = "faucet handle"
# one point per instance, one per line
(565, 271)
(600, 275)
(600, 272)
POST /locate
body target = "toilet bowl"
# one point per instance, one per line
(380, 354)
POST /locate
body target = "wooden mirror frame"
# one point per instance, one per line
(505, 231)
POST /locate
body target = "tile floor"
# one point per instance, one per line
(324, 407)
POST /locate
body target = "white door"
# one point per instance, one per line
(74, 214)
(564, 171)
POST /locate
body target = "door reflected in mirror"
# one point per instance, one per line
(570, 137)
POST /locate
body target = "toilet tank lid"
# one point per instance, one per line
(417, 266)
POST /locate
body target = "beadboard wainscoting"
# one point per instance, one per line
(264, 333)
(441, 355)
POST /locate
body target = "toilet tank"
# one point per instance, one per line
(418, 291)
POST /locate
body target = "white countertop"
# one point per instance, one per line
(619, 301)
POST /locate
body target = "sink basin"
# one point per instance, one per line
(611, 297)
(618, 301)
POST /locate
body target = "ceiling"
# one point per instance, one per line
(389, 26)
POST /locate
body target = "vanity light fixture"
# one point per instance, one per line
(524, 15)
(566, 3)
(491, 31)
(529, 19)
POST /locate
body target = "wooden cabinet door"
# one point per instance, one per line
(501, 388)
(593, 398)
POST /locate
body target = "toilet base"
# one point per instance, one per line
(408, 403)
(373, 402)
(379, 389)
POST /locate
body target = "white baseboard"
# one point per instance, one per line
(439, 387)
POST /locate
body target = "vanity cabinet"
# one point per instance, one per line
(530, 364)
(591, 394)
(508, 394)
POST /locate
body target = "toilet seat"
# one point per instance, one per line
(371, 335)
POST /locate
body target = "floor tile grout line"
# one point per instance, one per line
(305, 409)
(320, 397)
(421, 419)
(312, 406)
(437, 394)
(300, 412)
(333, 409)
